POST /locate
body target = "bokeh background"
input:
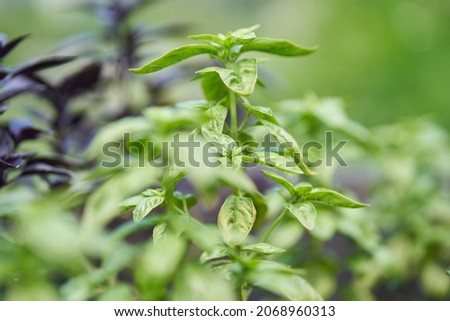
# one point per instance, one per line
(386, 61)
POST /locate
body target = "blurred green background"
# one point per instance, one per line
(387, 59)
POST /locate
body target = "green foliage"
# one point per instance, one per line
(259, 224)
(151, 199)
(235, 253)
(240, 77)
(280, 180)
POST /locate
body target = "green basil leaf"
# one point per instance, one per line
(331, 112)
(156, 266)
(236, 218)
(285, 138)
(280, 180)
(281, 134)
(241, 78)
(218, 114)
(260, 112)
(244, 32)
(226, 142)
(216, 253)
(198, 283)
(159, 231)
(278, 47)
(213, 87)
(131, 202)
(284, 281)
(305, 212)
(277, 161)
(172, 175)
(241, 36)
(303, 188)
(174, 56)
(332, 198)
(146, 206)
(205, 237)
(153, 192)
(103, 203)
(208, 38)
(263, 248)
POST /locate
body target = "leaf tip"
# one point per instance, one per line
(361, 205)
(135, 70)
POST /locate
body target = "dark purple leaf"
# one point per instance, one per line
(26, 155)
(22, 130)
(40, 80)
(59, 160)
(11, 161)
(6, 48)
(16, 87)
(40, 64)
(6, 143)
(81, 81)
(45, 169)
(3, 108)
(3, 72)
(56, 182)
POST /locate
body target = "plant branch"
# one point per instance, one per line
(242, 292)
(233, 115)
(244, 121)
(272, 226)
